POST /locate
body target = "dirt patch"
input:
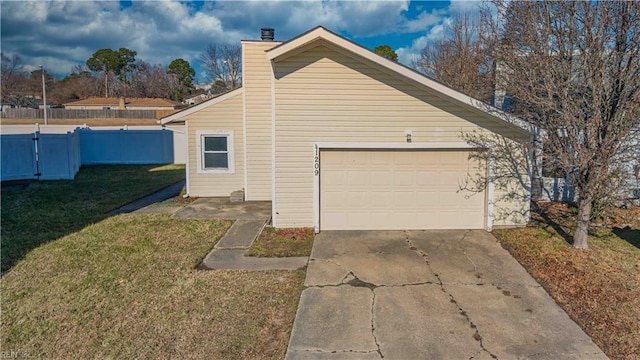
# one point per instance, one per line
(282, 243)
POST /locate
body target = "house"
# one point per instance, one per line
(112, 103)
(338, 137)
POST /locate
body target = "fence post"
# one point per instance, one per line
(36, 152)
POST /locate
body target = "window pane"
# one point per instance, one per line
(215, 143)
(216, 161)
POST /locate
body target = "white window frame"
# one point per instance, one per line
(200, 135)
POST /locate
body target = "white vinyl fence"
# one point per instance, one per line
(59, 153)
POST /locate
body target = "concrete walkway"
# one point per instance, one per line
(162, 194)
(250, 218)
(427, 295)
(228, 253)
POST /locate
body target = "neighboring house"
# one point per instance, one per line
(338, 137)
(112, 103)
(197, 99)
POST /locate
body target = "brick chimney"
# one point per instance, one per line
(121, 105)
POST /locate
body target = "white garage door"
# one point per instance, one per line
(399, 189)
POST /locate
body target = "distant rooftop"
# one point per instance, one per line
(114, 101)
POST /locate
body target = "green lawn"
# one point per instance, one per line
(126, 288)
(82, 284)
(48, 210)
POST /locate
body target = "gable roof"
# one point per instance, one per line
(114, 101)
(293, 46)
(179, 116)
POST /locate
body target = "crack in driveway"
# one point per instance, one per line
(453, 300)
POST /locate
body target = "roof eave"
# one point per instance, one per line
(180, 115)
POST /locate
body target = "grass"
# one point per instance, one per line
(48, 210)
(282, 243)
(126, 287)
(599, 288)
(85, 285)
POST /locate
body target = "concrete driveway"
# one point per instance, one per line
(427, 295)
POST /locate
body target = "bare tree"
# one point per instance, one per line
(79, 84)
(13, 77)
(573, 69)
(459, 60)
(152, 81)
(222, 64)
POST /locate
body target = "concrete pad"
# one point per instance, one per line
(481, 304)
(421, 322)
(325, 272)
(380, 259)
(469, 257)
(222, 208)
(338, 355)
(234, 259)
(241, 234)
(523, 323)
(158, 210)
(334, 319)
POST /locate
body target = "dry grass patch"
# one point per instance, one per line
(126, 288)
(282, 243)
(599, 288)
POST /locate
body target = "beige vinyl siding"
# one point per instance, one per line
(257, 88)
(323, 95)
(226, 115)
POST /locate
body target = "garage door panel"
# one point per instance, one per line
(404, 200)
(381, 199)
(398, 189)
(333, 177)
(379, 178)
(358, 200)
(404, 178)
(358, 178)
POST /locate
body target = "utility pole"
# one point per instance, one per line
(44, 96)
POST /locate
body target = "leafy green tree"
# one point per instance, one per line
(184, 73)
(386, 51)
(109, 62)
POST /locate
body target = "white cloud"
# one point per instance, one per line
(408, 55)
(464, 6)
(62, 34)
(436, 22)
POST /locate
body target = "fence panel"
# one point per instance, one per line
(557, 189)
(58, 156)
(126, 146)
(18, 157)
(84, 114)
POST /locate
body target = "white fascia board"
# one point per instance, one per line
(321, 33)
(180, 116)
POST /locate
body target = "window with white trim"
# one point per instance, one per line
(215, 152)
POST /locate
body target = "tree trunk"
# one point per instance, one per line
(582, 223)
(106, 87)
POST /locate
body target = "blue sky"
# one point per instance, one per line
(61, 34)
